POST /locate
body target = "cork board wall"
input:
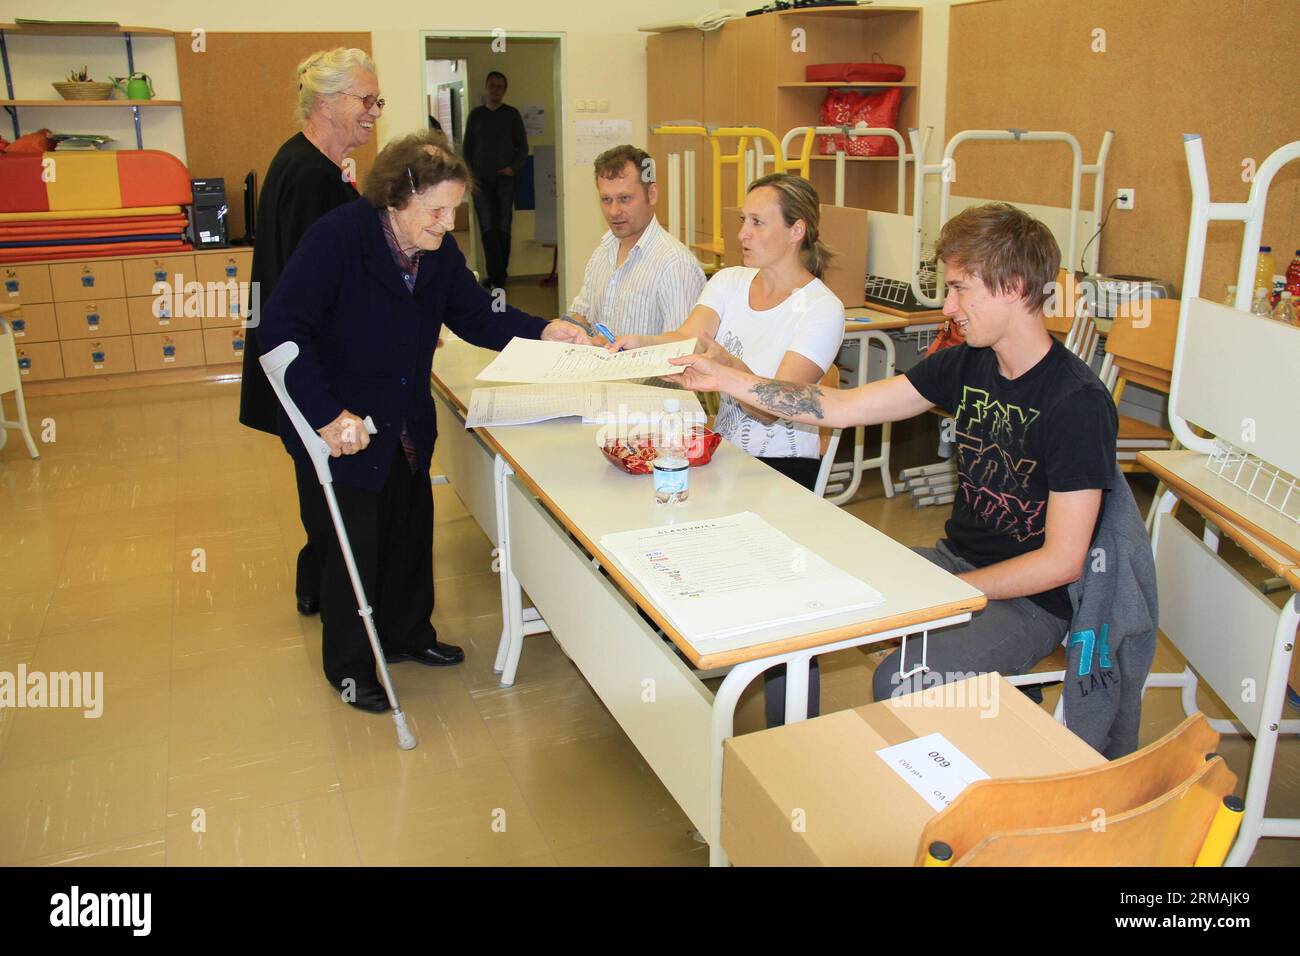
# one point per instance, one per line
(239, 97)
(1214, 67)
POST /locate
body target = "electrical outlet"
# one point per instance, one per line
(1125, 199)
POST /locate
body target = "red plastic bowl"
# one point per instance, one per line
(634, 455)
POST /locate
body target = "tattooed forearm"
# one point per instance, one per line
(788, 401)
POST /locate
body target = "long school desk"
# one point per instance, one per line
(545, 495)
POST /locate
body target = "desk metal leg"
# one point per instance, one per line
(511, 644)
(853, 470)
(1253, 823)
(724, 717)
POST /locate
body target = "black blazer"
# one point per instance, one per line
(302, 184)
(366, 343)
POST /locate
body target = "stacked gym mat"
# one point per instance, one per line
(78, 205)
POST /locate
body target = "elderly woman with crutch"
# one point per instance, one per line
(364, 298)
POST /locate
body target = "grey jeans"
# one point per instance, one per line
(1008, 636)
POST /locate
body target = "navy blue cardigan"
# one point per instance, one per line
(366, 343)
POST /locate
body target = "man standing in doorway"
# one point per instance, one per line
(496, 148)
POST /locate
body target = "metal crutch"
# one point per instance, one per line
(274, 363)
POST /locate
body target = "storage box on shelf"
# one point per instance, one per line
(752, 72)
(142, 314)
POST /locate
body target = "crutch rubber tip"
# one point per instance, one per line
(405, 739)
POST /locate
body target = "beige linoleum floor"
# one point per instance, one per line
(220, 741)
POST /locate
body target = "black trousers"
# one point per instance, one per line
(494, 205)
(804, 471)
(391, 533)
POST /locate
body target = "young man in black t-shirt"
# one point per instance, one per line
(1035, 435)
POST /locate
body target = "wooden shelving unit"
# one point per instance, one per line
(752, 72)
(12, 105)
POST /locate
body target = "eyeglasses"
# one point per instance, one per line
(369, 101)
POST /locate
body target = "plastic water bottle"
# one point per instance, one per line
(1284, 311)
(1261, 306)
(672, 468)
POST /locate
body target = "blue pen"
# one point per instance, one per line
(604, 330)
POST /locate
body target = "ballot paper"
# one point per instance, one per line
(634, 408)
(539, 362)
(933, 767)
(722, 577)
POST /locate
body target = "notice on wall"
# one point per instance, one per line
(534, 120)
(593, 137)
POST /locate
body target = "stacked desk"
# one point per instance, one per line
(1237, 640)
(545, 495)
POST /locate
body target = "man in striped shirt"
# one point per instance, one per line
(640, 280)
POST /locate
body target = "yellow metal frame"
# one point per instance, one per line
(743, 135)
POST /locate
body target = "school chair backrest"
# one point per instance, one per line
(1159, 806)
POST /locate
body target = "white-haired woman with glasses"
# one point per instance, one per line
(338, 103)
(365, 296)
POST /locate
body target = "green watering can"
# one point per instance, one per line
(137, 86)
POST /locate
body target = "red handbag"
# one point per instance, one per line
(849, 108)
(854, 73)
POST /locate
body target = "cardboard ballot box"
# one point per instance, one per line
(817, 793)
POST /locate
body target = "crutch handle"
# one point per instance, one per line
(275, 363)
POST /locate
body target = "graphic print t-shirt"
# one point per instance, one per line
(1051, 429)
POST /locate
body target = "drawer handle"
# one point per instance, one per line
(98, 359)
(11, 286)
(19, 326)
(24, 364)
(160, 275)
(87, 281)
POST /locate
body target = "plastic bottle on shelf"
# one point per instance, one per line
(1284, 311)
(1293, 277)
(1230, 300)
(1264, 271)
(672, 467)
(1261, 306)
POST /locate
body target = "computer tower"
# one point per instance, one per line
(209, 228)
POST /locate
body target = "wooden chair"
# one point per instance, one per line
(1067, 319)
(829, 438)
(1140, 349)
(1169, 804)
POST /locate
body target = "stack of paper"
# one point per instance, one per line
(723, 577)
(539, 362)
(632, 406)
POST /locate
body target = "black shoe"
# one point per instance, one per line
(436, 654)
(307, 606)
(368, 697)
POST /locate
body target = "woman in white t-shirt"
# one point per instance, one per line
(773, 317)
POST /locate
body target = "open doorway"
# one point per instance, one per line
(456, 67)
